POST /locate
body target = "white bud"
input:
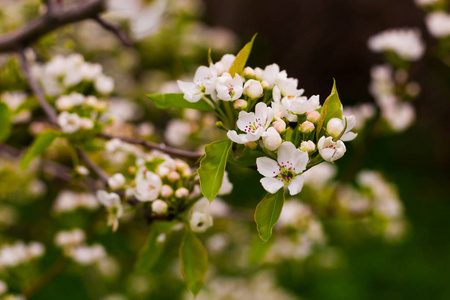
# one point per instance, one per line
(166, 191)
(116, 181)
(271, 139)
(265, 84)
(200, 221)
(330, 150)
(258, 73)
(307, 127)
(82, 170)
(181, 192)
(307, 146)
(248, 72)
(86, 123)
(279, 125)
(253, 89)
(312, 116)
(64, 103)
(240, 104)
(335, 127)
(173, 176)
(159, 207)
(104, 84)
(91, 101)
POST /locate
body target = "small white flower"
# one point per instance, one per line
(253, 124)
(335, 127)
(307, 146)
(291, 162)
(112, 203)
(253, 89)
(35, 249)
(177, 132)
(271, 139)
(229, 88)
(82, 170)
(148, 185)
(288, 86)
(104, 84)
(200, 221)
(116, 181)
(86, 123)
(204, 83)
(329, 150)
(279, 125)
(64, 103)
(166, 191)
(240, 104)
(270, 74)
(438, 24)
(300, 105)
(70, 238)
(159, 207)
(89, 71)
(181, 192)
(224, 64)
(69, 122)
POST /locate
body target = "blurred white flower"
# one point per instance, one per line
(148, 185)
(116, 181)
(70, 238)
(112, 203)
(69, 122)
(200, 221)
(177, 132)
(438, 24)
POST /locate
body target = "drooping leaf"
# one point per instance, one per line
(267, 213)
(165, 101)
(241, 58)
(212, 167)
(258, 250)
(194, 261)
(42, 142)
(5, 122)
(153, 248)
(332, 108)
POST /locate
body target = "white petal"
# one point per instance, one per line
(245, 119)
(286, 152)
(299, 161)
(271, 184)
(351, 122)
(267, 167)
(261, 111)
(191, 91)
(296, 185)
(349, 136)
(237, 138)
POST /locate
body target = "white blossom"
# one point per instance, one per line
(291, 162)
(86, 255)
(70, 238)
(69, 122)
(204, 83)
(116, 181)
(330, 150)
(148, 185)
(438, 24)
(104, 84)
(271, 139)
(177, 132)
(335, 127)
(112, 203)
(253, 89)
(224, 64)
(3, 287)
(229, 88)
(159, 207)
(200, 221)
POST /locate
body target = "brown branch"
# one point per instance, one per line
(49, 22)
(151, 145)
(121, 36)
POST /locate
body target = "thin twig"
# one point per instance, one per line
(151, 145)
(121, 36)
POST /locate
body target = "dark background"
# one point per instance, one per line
(318, 40)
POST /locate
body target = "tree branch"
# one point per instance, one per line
(121, 36)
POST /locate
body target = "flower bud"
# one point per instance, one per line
(219, 124)
(265, 84)
(253, 89)
(181, 193)
(279, 125)
(312, 116)
(132, 170)
(200, 221)
(335, 127)
(271, 139)
(174, 176)
(307, 127)
(86, 123)
(330, 150)
(307, 146)
(251, 145)
(100, 106)
(180, 165)
(240, 104)
(91, 101)
(82, 170)
(166, 191)
(64, 103)
(159, 207)
(258, 73)
(249, 72)
(116, 181)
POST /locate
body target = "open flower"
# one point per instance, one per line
(112, 203)
(204, 83)
(148, 185)
(69, 122)
(329, 150)
(291, 162)
(253, 124)
(301, 105)
(335, 127)
(229, 88)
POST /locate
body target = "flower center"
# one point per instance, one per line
(253, 126)
(231, 91)
(286, 172)
(332, 147)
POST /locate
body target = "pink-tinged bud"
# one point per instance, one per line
(86, 123)
(307, 127)
(271, 139)
(249, 72)
(335, 127)
(265, 84)
(253, 89)
(240, 104)
(159, 207)
(174, 176)
(279, 125)
(162, 171)
(166, 191)
(313, 116)
(278, 115)
(181, 193)
(186, 172)
(180, 165)
(307, 146)
(251, 145)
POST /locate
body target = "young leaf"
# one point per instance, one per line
(332, 108)
(241, 58)
(5, 122)
(165, 101)
(194, 261)
(42, 142)
(267, 213)
(212, 168)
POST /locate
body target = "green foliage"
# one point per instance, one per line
(267, 213)
(42, 142)
(241, 58)
(165, 101)
(332, 108)
(152, 165)
(212, 167)
(194, 261)
(5, 122)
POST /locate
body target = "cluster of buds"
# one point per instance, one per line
(19, 253)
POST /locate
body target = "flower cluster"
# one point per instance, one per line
(19, 253)
(264, 110)
(68, 201)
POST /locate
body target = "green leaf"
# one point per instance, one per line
(210, 62)
(267, 213)
(258, 250)
(5, 122)
(153, 248)
(152, 165)
(42, 142)
(194, 261)
(165, 101)
(332, 108)
(212, 167)
(241, 58)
